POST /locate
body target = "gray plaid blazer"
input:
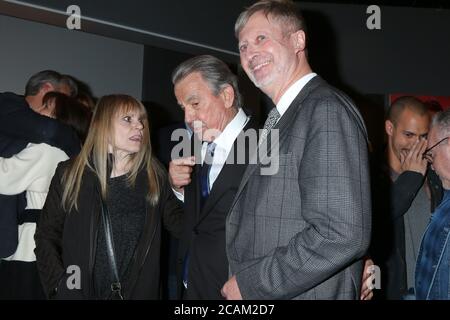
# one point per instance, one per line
(301, 233)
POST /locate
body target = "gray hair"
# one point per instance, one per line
(214, 71)
(56, 79)
(283, 11)
(441, 121)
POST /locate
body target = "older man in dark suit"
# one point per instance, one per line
(299, 232)
(207, 91)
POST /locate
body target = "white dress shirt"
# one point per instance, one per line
(292, 92)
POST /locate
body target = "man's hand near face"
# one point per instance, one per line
(414, 160)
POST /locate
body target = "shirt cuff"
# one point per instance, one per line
(179, 195)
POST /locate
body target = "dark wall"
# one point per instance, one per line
(157, 89)
(171, 24)
(409, 54)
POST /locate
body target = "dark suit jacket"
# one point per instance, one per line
(204, 233)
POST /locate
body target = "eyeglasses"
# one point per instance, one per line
(427, 153)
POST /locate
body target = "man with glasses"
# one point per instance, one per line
(428, 154)
(402, 198)
(432, 281)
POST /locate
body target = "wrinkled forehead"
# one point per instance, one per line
(260, 21)
(435, 134)
(192, 86)
(257, 20)
(411, 118)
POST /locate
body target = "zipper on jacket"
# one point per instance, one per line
(149, 246)
(146, 252)
(93, 234)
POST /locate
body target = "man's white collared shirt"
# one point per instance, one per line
(292, 92)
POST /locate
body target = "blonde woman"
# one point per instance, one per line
(100, 230)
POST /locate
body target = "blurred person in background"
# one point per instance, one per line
(31, 171)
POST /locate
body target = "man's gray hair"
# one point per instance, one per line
(56, 79)
(283, 11)
(214, 71)
(441, 121)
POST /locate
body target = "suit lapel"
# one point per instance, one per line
(283, 127)
(196, 151)
(197, 193)
(227, 176)
(222, 184)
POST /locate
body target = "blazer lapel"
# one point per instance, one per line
(227, 176)
(197, 193)
(222, 184)
(283, 127)
(194, 189)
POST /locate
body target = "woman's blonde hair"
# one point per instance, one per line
(94, 154)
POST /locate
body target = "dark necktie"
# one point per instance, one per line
(204, 172)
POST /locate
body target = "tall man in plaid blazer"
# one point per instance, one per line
(299, 232)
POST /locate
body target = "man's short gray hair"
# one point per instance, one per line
(283, 11)
(214, 71)
(441, 121)
(56, 79)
